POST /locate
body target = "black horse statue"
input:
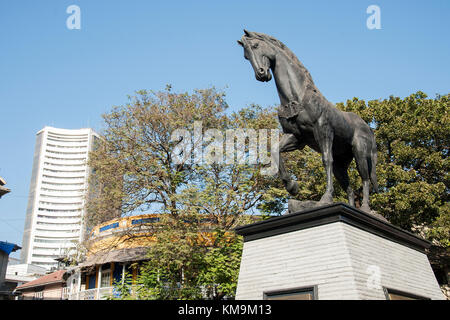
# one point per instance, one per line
(309, 119)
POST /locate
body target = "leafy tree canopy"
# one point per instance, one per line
(135, 171)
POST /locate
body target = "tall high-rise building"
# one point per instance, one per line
(58, 188)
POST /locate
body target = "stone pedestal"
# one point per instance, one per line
(333, 252)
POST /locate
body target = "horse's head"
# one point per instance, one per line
(259, 53)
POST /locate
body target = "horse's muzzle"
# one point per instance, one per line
(263, 75)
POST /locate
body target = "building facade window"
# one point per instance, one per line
(303, 293)
(393, 294)
(106, 278)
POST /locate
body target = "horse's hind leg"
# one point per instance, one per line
(362, 158)
(323, 135)
(340, 167)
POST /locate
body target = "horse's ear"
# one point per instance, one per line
(247, 33)
(240, 43)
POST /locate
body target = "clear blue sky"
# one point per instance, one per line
(50, 75)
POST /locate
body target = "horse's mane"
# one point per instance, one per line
(282, 46)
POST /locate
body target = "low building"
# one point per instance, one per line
(49, 287)
(5, 249)
(114, 247)
(18, 274)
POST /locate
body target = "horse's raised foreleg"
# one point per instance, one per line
(288, 143)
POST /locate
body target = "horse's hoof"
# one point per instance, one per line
(326, 199)
(292, 187)
(365, 208)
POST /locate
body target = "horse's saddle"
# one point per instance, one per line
(289, 110)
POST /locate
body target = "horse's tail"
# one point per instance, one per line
(373, 166)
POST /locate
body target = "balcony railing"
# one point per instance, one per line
(90, 294)
(95, 294)
(38, 295)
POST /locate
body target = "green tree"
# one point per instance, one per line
(187, 271)
(220, 275)
(413, 136)
(133, 163)
(135, 171)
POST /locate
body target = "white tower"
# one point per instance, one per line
(59, 182)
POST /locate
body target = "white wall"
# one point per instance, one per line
(335, 257)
